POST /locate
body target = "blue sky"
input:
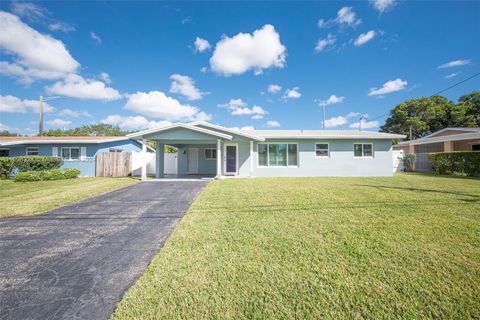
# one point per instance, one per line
(144, 64)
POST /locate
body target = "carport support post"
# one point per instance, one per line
(219, 158)
(144, 163)
(160, 160)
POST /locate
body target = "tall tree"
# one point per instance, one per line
(88, 130)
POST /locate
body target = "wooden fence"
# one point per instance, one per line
(114, 164)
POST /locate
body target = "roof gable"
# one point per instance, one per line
(179, 131)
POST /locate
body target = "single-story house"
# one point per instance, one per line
(445, 140)
(208, 149)
(77, 152)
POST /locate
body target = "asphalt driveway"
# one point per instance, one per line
(77, 261)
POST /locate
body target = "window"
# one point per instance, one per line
(4, 152)
(321, 150)
(362, 150)
(32, 151)
(71, 153)
(277, 154)
(475, 147)
(210, 154)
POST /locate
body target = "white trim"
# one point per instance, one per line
(80, 141)
(268, 155)
(363, 157)
(237, 132)
(54, 151)
(179, 125)
(328, 150)
(225, 159)
(452, 137)
(27, 149)
(205, 154)
(188, 161)
(251, 158)
(70, 154)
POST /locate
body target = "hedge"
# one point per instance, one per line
(7, 165)
(37, 163)
(55, 174)
(463, 162)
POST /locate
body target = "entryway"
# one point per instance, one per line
(231, 159)
(192, 159)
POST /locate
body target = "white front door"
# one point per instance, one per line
(192, 156)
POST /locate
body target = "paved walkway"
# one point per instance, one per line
(76, 262)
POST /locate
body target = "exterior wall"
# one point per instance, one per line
(340, 163)
(204, 166)
(87, 165)
(465, 145)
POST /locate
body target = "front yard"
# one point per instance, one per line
(28, 198)
(332, 248)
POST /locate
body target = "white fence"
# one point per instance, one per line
(397, 156)
(139, 158)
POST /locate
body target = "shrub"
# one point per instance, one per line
(37, 163)
(55, 174)
(6, 167)
(463, 162)
(408, 160)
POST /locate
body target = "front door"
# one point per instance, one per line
(192, 161)
(231, 159)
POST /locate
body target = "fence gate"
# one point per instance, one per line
(114, 164)
(423, 162)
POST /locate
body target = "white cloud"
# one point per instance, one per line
(356, 115)
(238, 107)
(454, 63)
(244, 51)
(74, 113)
(35, 52)
(157, 104)
(389, 87)
(201, 45)
(272, 124)
(75, 86)
(365, 125)
(323, 44)
(452, 75)
(95, 37)
(60, 26)
(364, 38)
(185, 86)
(4, 127)
(59, 123)
(12, 104)
(133, 123)
(27, 75)
(274, 88)
(333, 99)
(105, 77)
(248, 128)
(203, 70)
(345, 17)
(383, 5)
(335, 122)
(29, 10)
(293, 93)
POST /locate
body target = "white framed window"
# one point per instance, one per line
(71, 153)
(322, 150)
(210, 154)
(32, 151)
(363, 150)
(278, 154)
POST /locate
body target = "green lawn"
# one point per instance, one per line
(28, 198)
(406, 247)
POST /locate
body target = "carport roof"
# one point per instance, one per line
(142, 134)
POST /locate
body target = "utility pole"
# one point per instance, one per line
(360, 122)
(40, 126)
(410, 132)
(323, 103)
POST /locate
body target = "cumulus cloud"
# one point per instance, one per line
(274, 88)
(27, 76)
(203, 69)
(293, 93)
(335, 122)
(95, 37)
(201, 45)
(60, 123)
(257, 51)
(364, 38)
(12, 104)
(105, 77)
(185, 86)
(158, 105)
(35, 55)
(333, 99)
(74, 113)
(323, 44)
(75, 86)
(383, 5)
(272, 124)
(389, 87)
(365, 125)
(345, 17)
(238, 107)
(133, 123)
(454, 63)
(247, 128)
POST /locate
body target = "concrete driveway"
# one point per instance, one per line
(78, 261)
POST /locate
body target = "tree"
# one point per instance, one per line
(88, 130)
(6, 133)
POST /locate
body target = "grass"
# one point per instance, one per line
(29, 198)
(406, 247)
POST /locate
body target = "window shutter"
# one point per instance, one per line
(83, 153)
(54, 151)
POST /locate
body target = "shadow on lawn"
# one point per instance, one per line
(420, 189)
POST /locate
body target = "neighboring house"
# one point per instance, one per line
(445, 140)
(207, 149)
(77, 152)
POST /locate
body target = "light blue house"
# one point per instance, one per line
(207, 149)
(77, 152)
